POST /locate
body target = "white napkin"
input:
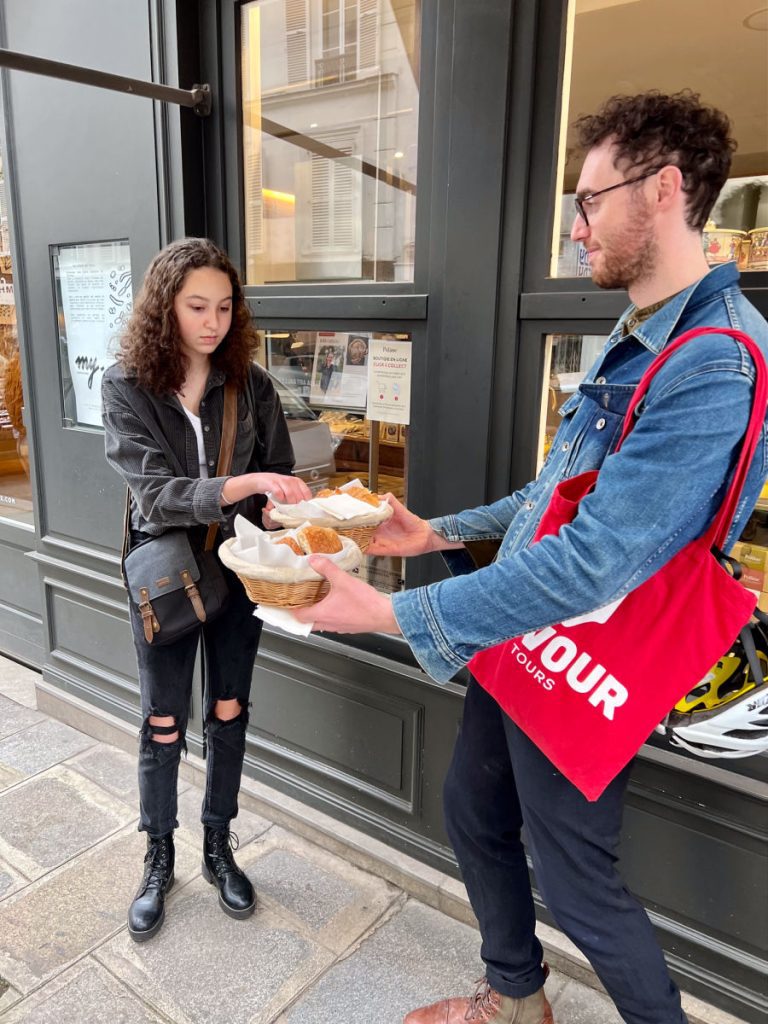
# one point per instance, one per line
(338, 506)
(283, 619)
(257, 546)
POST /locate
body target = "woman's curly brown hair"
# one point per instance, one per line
(150, 346)
(654, 128)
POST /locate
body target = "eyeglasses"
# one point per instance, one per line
(579, 202)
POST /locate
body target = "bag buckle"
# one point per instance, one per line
(190, 589)
(148, 617)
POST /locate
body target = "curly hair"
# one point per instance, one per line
(150, 345)
(678, 129)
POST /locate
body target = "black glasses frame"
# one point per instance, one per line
(579, 202)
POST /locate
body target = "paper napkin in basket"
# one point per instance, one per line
(283, 619)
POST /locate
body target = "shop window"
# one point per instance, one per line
(15, 487)
(330, 95)
(322, 378)
(628, 46)
(567, 359)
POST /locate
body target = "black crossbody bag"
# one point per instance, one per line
(173, 588)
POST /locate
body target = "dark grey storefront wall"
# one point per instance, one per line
(83, 165)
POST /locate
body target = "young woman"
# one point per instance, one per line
(190, 332)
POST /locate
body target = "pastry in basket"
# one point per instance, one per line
(292, 544)
(361, 493)
(319, 540)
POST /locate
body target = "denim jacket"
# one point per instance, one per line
(659, 492)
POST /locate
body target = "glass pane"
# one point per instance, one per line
(330, 113)
(668, 45)
(568, 357)
(322, 380)
(15, 487)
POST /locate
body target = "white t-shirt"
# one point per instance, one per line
(198, 428)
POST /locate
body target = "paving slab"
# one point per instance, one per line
(332, 900)
(575, 1003)
(62, 916)
(9, 777)
(34, 749)
(18, 682)
(112, 769)
(206, 968)
(8, 995)
(416, 958)
(14, 717)
(11, 880)
(53, 816)
(85, 994)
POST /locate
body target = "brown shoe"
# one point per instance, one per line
(484, 1006)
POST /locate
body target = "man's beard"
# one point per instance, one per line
(628, 258)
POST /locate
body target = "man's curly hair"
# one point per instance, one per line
(657, 129)
(150, 346)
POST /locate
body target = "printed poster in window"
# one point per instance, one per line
(94, 301)
(340, 370)
(389, 381)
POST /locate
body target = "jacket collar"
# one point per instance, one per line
(656, 331)
(215, 378)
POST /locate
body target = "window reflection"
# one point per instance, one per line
(330, 112)
(15, 487)
(722, 57)
(567, 359)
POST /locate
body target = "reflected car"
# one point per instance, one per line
(313, 443)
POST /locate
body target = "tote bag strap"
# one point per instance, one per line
(722, 522)
(226, 448)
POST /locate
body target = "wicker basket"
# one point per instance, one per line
(280, 593)
(361, 535)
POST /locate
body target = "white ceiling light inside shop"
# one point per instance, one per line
(628, 46)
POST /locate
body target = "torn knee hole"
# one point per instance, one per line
(227, 710)
(162, 729)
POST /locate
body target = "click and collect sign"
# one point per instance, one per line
(389, 381)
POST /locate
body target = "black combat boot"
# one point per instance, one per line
(147, 912)
(236, 895)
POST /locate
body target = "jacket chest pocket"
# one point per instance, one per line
(600, 420)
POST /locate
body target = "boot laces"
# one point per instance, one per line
(157, 860)
(483, 1003)
(221, 843)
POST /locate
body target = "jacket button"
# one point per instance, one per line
(206, 428)
(565, 446)
(211, 462)
(600, 424)
(600, 380)
(529, 505)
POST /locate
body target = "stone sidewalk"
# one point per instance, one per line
(330, 943)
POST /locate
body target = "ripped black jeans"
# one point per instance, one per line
(165, 679)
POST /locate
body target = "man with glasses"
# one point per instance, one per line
(653, 169)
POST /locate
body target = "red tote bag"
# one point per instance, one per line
(590, 691)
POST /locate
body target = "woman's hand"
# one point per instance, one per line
(405, 534)
(288, 490)
(285, 489)
(351, 607)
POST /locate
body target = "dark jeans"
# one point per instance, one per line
(165, 678)
(499, 781)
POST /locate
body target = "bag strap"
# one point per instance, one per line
(721, 524)
(226, 448)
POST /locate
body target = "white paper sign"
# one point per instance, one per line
(96, 300)
(389, 381)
